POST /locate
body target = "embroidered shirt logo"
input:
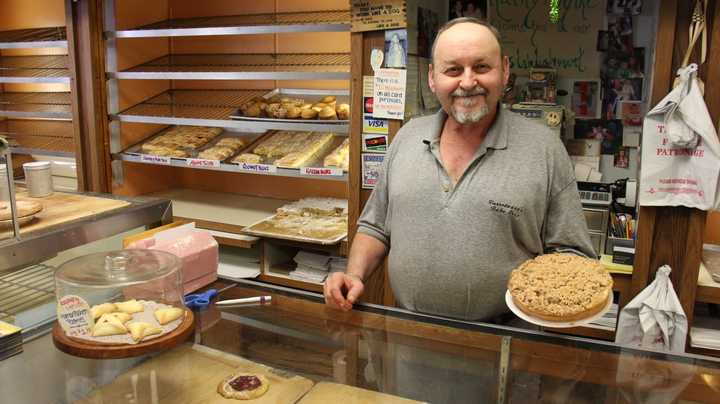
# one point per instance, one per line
(506, 208)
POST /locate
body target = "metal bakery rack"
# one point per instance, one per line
(214, 107)
(38, 122)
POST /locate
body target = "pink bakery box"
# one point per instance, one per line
(197, 249)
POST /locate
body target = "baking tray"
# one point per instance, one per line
(136, 149)
(318, 162)
(342, 96)
(261, 233)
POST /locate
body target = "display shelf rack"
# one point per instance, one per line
(210, 108)
(314, 21)
(46, 137)
(24, 289)
(35, 105)
(51, 37)
(296, 66)
(34, 69)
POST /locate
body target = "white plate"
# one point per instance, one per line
(555, 324)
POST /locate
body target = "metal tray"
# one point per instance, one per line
(250, 138)
(343, 96)
(318, 162)
(322, 241)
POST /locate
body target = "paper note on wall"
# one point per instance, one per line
(389, 93)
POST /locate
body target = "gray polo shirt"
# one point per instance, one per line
(453, 248)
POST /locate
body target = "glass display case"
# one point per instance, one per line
(310, 353)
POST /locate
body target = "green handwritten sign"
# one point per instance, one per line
(530, 39)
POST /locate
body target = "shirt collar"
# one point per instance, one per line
(496, 138)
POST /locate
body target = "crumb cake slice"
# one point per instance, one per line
(560, 287)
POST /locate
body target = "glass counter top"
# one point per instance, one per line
(313, 354)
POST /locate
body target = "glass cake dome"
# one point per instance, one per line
(123, 275)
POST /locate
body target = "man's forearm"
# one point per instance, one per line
(366, 254)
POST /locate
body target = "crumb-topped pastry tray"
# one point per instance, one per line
(555, 324)
(98, 350)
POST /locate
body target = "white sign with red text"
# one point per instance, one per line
(321, 171)
(73, 314)
(202, 163)
(257, 168)
(148, 158)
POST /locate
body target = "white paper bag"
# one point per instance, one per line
(654, 318)
(680, 150)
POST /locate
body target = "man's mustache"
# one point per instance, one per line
(468, 93)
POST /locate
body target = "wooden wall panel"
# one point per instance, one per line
(258, 185)
(135, 13)
(21, 14)
(143, 179)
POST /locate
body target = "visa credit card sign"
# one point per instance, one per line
(374, 125)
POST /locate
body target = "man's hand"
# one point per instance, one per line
(342, 290)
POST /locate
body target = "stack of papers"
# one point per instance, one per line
(704, 338)
(608, 321)
(311, 267)
(10, 340)
(338, 264)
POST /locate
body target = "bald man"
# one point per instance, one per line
(467, 194)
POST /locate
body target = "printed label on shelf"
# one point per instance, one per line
(147, 158)
(257, 168)
(321, 171)
(73, 314)
(203, 163)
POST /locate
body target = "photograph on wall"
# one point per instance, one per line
(620, 7)
(467, 8)
(622, 158)
(428, 24)
(586, 99)
(396, 48)
(617, 90)
(631, 113)
(609, 132)
(620, 64)
(620, 31)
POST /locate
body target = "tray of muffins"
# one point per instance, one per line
(297, 105)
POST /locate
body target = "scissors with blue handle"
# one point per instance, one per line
(200, 300)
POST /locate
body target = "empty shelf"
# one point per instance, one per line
(315, 21)
(305, 66)
(34, 69)
(52, 37)
(40, 137)
(36, 105)
(24, 289)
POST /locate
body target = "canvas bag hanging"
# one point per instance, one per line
(654, 318)
(680, 150)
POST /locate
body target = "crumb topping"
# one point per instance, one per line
(560, 284)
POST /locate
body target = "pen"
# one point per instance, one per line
(257, 299)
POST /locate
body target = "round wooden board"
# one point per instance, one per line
(87, 349)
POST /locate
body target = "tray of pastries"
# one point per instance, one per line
(559, 290)
(313, 220)
(290, 149)
(193, 142)
(293, 105)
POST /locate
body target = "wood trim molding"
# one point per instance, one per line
(87, 64)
